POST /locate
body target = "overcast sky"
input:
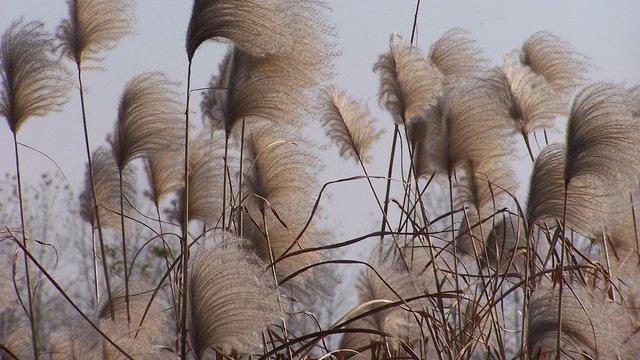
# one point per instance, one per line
(606, 31)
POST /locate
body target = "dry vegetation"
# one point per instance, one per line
(221, 252)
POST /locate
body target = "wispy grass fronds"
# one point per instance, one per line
(105, 175)
(462, 127)
(350, 126)
(528, 103)
(396, 321)
(34, 83)
(592, 326)
(603, 138)
(556, 60)
(75, 345)
(268, 88)
(586, 198)
(18, 342)
(94, 26)
(407, 83)
(272, 27)
(504, 244)
(138, 341)
(280, 177)
(231, 297)
(484, 183)
(148, 118)
(164, 174)
(457, 56)
(206, 168)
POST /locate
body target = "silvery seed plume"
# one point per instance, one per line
(462, 127)
(603, 138)
(6, 283)
(94, 26)
(483, 187)
(484, 182)
(590, 325)
(150, 336)
(408, 84)
(267, 88)
(206, 164)
(75, 345)
(564, 69)
(395, 321)
(527, 102)
(18, 342)
(457, 56)
(163, 172)
(471, 232)
(504, 241)
(587, 199)
(349, 124)
(231, 297)
(148, 120)
(292, 28)
(34, 84)
(281, 176)
(107, 186)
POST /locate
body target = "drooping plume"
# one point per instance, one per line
(457, 56)
(144, 341)
(231, 297)
(94, 26)
(206, 164)
(266, 28)
(556, 60)
(164, 174)
(527, 102)
(587, 200)
(34, 83)
(280, 178)
(592, 326)
(408, 84)
(249, 87)
(603, 138)
(106, 179)
(148, 118)
(349, 124)
(386, 284)
(461, 127)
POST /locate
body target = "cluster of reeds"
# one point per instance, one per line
(222, 253)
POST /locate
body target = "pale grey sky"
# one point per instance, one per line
(607, 31)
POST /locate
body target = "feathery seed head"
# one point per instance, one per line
(34, 84)
(94, 26)
(149, 118)
(231, 297)
(408, 84)
(350, 126)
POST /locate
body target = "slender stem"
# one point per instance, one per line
(166, 260)
(124, 249)
(635, 227)
(185, 225)
(95, 267)
(241, 214)
(275, 278)
(32, 321)
(98, 224)
(455, 252)
(561, 274)
(224, 181)
(525, 136)
(383, 227)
